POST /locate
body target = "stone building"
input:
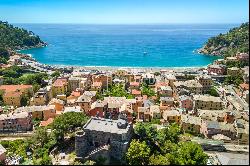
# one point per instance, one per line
(206, 82)
(98, 133)
(192, 85)
(207, 102)
(234, 71)
(74, 83)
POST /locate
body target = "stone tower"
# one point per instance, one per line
(81, 145)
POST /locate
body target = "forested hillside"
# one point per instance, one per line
(236, 40)
(14, 38)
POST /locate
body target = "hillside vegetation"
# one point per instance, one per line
(236, 40)
(14, 38)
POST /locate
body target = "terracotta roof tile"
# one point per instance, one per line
(60, 82)
(12, 94)
(135, 92)
(244, 86)
(47, 122)
(134, 84)
(9, 88)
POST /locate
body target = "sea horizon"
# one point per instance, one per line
(124, 45)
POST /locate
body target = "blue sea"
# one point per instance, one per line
(165, 45)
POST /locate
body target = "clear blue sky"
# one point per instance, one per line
(124, 11)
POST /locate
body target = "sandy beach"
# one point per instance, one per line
(140, 69)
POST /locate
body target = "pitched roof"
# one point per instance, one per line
(134, 84)
(191, 119)
(55, 100)
(72, 109)
(46, 122)
(12, 94)
(15, 115)
(166, 99)
(84, 98)
(35, 108)
(60, 82)
(9, 88)
(244, 86)
(90, 93)
(135, 92)
(184, 97)
(143, 109)
(154, 108)
(165, 88)
(207, 98)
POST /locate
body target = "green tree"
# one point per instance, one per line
(213, 92)
(56, 74)
(171, 133)
(68, 122)
(235, 80)
(88, 162)
(157, 73)
(1, 98)
(4, 53)
(145, 131)
(138, 153)
(24, 100)
(236, 40)
(146, 90)
(168, 147)
(158, 160)
(40, 137)
(191, 153)
(10, 73)
(17, 38)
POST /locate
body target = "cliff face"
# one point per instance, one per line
(236, 40)
(14, 38)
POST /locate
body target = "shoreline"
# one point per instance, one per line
(104, 68)
(109, 68)
(112, 68)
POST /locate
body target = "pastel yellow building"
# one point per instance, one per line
(25, 89)
(172, 116)
(59, 87)
(12, 94)
(12, 98)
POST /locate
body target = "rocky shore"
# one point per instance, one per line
(218, 51)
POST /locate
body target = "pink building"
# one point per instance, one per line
(242, 56)
(186, 102)
(217, 69)
(21, 121)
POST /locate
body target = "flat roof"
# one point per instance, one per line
(105, 125)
